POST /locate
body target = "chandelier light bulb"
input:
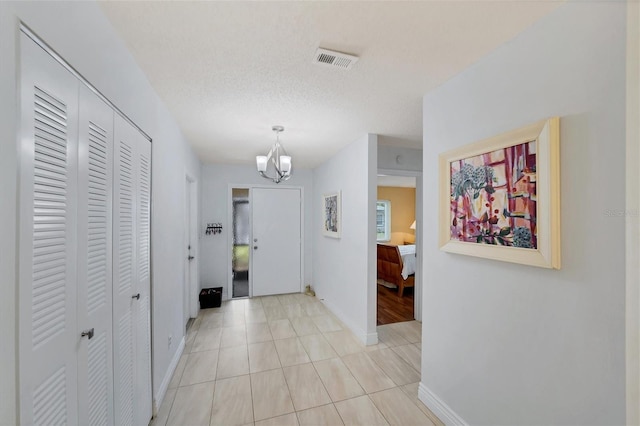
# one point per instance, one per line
(285, 163)
(261, 161)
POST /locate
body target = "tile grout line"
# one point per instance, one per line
(290, 397)
(253, 409)
(327, 391)
(361, 385)
(378, 408)
(213, 396)
(170, 407)
(338, 411)
(306, 351)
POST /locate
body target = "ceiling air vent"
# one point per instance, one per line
(334, 59)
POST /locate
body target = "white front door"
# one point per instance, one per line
(276, 245)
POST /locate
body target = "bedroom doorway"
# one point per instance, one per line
(398, 211)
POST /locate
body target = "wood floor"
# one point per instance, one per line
(392, 308)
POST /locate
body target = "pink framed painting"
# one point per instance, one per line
(499, 198)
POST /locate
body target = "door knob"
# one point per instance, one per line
(87, 333)
(190, 257)
(255, 247)
(136, 296)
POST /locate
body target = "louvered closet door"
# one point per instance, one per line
(143, 329)
(48, 334)
(124, 273)
(131, 300)
(95, 160)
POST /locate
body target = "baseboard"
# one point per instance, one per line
(439, 407)
(159, 397)
(364, 337)
(371, 339)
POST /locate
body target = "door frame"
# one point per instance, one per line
(229, 247)
(229, 283)
(418, 288)
(191, 234)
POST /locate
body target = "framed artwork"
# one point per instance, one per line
(500, 197)
(331, 214)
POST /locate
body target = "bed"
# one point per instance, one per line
(397, 265)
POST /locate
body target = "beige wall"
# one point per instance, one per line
(403, 212)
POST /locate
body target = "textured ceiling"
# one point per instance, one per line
(228, 71)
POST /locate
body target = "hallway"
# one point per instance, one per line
(286, 360)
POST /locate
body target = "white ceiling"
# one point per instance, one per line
(228, 71)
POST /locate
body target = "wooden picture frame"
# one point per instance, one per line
(332, 215)
(500, 197)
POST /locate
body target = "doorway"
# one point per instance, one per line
(398, 214)
(240, 250)
(266, 240)
(277, 242)
(190, 290)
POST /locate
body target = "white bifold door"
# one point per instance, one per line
(276, 258)
(131, 299)
(49, 333)
(73, 268)
(94, 242)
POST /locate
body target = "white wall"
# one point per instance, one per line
(511, 344)
(8, 193)
(397, 158)
(633, 214)
(215, 252)
(82, 35)
(343, 268)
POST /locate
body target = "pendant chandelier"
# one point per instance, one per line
(278, 158)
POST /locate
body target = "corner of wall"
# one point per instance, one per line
(439, 407)
(344, 269)
(366, 337)
(372, 198)
(164, 385)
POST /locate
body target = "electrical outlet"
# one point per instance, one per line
(170, 337)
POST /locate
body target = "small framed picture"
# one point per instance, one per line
(331, 214)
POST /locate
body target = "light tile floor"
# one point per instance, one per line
(286, 360)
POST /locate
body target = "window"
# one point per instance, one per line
(383, 220)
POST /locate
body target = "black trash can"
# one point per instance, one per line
(210, 297)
